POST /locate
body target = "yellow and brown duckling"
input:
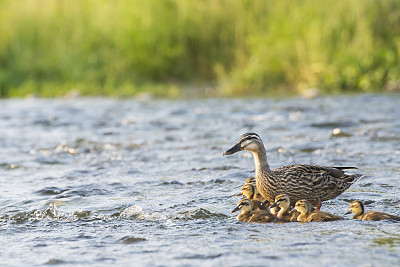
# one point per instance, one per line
(300, 181)
(283, 202)
(248, 214)
(304, 207)
(250, 192)
(357, 207)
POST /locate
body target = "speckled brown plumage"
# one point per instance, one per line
(300, 181)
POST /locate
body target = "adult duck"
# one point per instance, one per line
(300, 181)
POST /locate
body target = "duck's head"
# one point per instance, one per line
(244, 205)
(248, 141)
(281, 201)
(356, 207)
(248, 190)
(303, 206)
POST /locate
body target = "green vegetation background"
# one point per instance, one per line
(198, 47)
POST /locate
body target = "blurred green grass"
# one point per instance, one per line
(205, 47)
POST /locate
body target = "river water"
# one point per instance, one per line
(100, 182)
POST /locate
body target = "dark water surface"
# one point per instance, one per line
(100, 182)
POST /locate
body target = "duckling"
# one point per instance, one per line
(357, 207)
(249, 215)
(283, 202)
(304, 207)
(300, 181)
(249, 191)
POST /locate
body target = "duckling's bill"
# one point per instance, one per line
(273, 205)
(235, 209)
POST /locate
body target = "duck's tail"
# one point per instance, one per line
(346, 168)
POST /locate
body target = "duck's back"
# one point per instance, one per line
(378, 216)
(320, 216)
(290, 216)
(261, 216)
(257, 205)
(314, 183)
(244, 217)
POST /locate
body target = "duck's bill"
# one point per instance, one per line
(273, 205)
(265, 202)
(233, 150)
(240, 194)
(349, 212)
(235, 209)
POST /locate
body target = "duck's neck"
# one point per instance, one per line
(281, 213)
(244, 213)
(264, 178)
(260, 160)
(302, 217)
(358, 215)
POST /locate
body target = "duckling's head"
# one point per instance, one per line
(281, 201)
(243, 205)
(248, 190)
(248, 141)
(356, 207)
(303, 206)
(250, 180)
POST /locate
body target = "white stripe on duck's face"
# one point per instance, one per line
(250, 142)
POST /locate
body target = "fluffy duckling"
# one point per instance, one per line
(357, 207)
(304, 207)
(249, 215)
(283, 202)
(250, 192)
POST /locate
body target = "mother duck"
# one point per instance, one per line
(300, 181)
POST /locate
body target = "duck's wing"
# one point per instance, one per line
(262, 216)
(293, 215)
(312, 182)
(323, 217)
(336, 172)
